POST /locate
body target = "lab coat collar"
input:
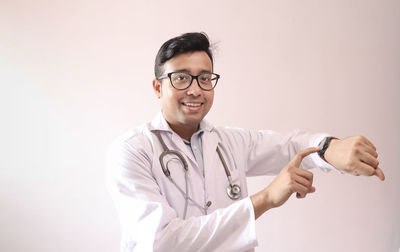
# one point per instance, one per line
(159, 123)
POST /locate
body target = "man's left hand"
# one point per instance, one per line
(355, 155)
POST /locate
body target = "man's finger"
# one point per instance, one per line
(303, 181)
(363, 169)
(303, 195)
(379, 174)
(301, 191)
(369, 159)
(366, 141)
(296, 161)
(306, 174)
(370, 150)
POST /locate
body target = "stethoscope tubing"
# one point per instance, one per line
(233, 190)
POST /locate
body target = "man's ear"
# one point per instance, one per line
(157, 88)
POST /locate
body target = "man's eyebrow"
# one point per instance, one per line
(187, 71)
(182, 70)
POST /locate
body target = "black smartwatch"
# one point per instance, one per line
(324, 144)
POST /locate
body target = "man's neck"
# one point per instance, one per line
(185, 131)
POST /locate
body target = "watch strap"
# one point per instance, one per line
(324, 146)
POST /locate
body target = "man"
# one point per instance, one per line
(179, 183)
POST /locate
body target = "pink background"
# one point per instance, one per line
(76, 74)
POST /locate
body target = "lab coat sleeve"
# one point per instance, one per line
(148, 223)
(267, 151)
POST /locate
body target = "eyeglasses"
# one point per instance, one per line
(182, 80)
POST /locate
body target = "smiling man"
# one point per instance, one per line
(179, 182)
(185, 105)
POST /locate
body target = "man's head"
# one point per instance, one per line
(184, 107)
(188, 42)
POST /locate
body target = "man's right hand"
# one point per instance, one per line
(291, 179)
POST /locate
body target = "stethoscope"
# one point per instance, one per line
(232, 190)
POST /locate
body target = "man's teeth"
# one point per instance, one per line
(192, 104)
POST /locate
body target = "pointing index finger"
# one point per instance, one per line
(302, 154)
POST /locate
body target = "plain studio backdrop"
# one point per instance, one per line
(76, 74)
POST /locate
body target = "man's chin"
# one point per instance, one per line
(192, 120)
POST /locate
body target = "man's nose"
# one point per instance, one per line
(194, 88)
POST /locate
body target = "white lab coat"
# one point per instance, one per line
(150, 207)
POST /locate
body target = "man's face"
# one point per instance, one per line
(187, 107)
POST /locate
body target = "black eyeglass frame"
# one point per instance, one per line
(191, 81)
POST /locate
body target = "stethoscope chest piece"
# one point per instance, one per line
(233, 191)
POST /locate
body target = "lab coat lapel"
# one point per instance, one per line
(175, 141)
(180, 145)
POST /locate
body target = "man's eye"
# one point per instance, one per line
(205, 78)
(180, 77)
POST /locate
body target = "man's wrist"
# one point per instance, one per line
(260, 202)
(324, 145)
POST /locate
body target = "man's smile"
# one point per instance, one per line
(193, 106)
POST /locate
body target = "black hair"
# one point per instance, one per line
(188, 42)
